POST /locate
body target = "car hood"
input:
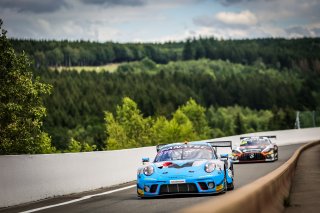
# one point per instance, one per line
(182, 167)
(252, 148)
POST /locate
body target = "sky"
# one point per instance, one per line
(159, 20)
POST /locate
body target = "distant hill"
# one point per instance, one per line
(302, 53)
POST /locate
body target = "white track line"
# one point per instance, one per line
(79, 199)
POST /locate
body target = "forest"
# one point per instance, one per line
(233, 86)
(279, 53)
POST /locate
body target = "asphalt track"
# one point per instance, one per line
(127, 201)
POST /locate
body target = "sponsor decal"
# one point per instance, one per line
(177, 181)
(251, 150)
(188, 146)
(174, 165)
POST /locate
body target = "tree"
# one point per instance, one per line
(197, 116)
(117, 137)
(55, 57)
(39, 58)
(74, 146)
(188, 51)
(181, 128)
(21, 108)
(239, 124)
(178, 129)
(77, 146)
(129, 128)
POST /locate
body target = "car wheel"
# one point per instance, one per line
(230, 186)
(277, 157)
(225, 181)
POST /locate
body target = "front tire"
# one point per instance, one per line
(225, 189)
(230, 186)
(276, 157)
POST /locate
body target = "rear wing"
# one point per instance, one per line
(220, 143)
(216, 143)
(269, 136)
(212, 143)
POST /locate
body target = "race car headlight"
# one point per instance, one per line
(148, 170)
(268, 149)
(236, 152)
(209, 167)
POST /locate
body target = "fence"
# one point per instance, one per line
(306, 119)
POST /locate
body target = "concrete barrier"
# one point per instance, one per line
(25, 178)
(266, 194)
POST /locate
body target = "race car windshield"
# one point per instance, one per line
(255, 142)
(184, 153)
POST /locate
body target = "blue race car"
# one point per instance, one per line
(184, 168)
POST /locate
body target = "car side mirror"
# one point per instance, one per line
(145, 160)
(224, 156)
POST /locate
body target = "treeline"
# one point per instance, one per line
(279, 53)
(237, 98)
(86, 53)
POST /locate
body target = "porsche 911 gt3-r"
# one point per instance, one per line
(184, 168)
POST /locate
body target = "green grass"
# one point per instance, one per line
(104, 68)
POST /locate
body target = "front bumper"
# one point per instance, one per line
(209, 184)
(253, 157)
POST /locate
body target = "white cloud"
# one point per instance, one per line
(263, 18)
(44, 25)
(149, 20)
(272, 31)
(242, 18)
(178, 36)
(225, 33)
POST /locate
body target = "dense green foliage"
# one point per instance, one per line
(130, 129)
(80, 53)
(21, 108)
(302, 53)
(175, 91)
(266, 99)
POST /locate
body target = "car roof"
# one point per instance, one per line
(255, 138)
(186, 143)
